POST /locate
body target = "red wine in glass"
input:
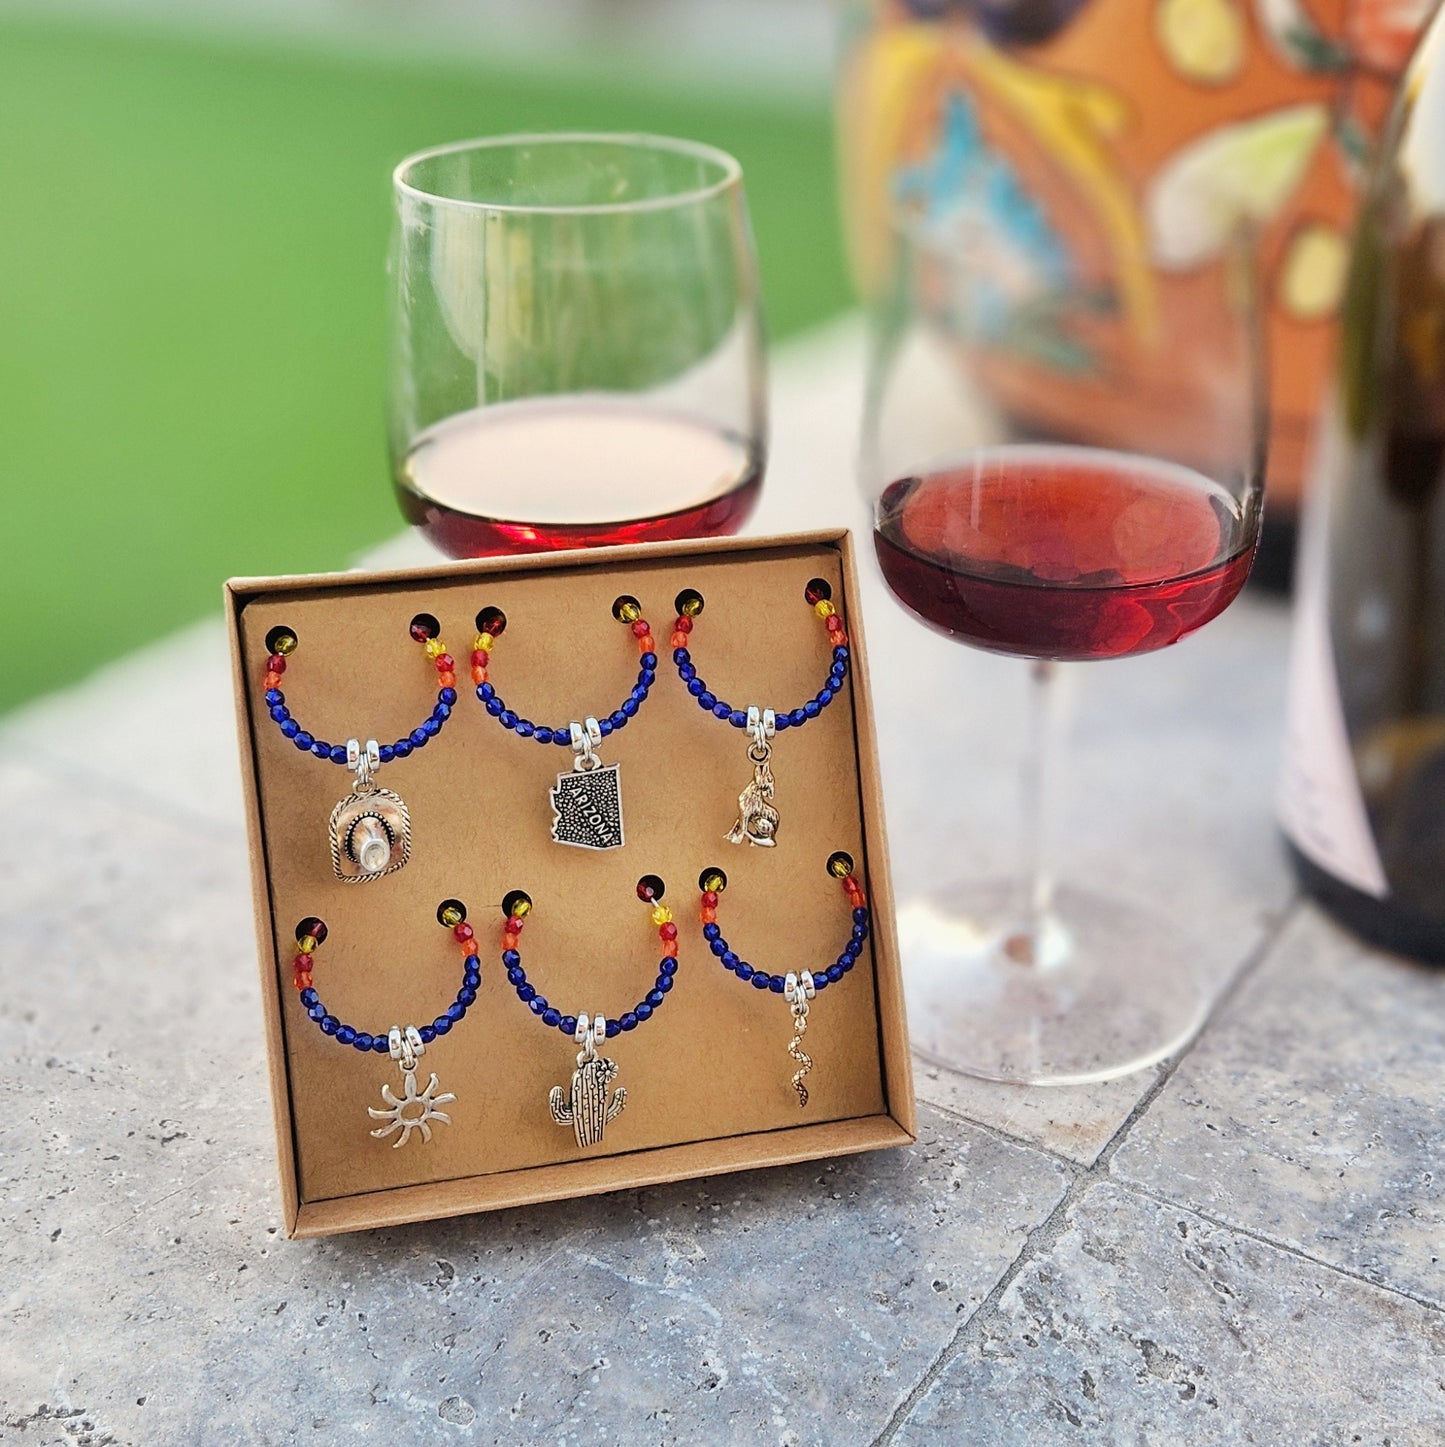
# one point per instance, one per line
(525, 477)
(1059, 552)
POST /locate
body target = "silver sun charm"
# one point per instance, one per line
(414, 1111)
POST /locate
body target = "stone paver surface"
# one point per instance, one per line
(1142, 1323)
(1314, 1112)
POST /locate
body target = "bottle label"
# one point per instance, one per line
(1320, 804)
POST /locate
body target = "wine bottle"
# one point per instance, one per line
(1363, 788)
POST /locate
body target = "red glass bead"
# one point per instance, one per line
(275, 664)
(668, 931)
(491, 620)
(709, 899)
(419, 631)
(314, 927)
(684, 623)
(834, 624)
(818, 590)
(479, 658)
(463, 931)
(445, 662)
(645, 891)
(641, 628)
(514, 924)
(302, 962)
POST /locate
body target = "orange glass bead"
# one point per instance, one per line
(509, 940)
(271, 680)
(678, 640)
(479, 674)
(838, 639)
(669, 949)
(303, 980)
(647, 644)
(446, 680)
(709, 914)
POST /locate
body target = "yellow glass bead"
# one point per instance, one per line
(629, 612)
(840, 865)
(690, 606)
(451, 916)
(434, 648)
(484, 641)
(306, 944)
(661, 915)
(284, 644)
(517, 905)
(824, 608)
(713, 881)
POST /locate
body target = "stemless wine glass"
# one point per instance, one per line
(1055, 533)
(577, 343)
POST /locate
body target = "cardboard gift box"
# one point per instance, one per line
(708, 1076)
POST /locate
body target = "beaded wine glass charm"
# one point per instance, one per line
(370, 829)
(801, 987)
(587, 801)
(590, 1102)
(758, 818)
(413, 1110)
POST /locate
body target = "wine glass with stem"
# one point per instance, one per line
(576, 343)
(1098, 520)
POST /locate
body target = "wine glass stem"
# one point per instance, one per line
(1040, 938)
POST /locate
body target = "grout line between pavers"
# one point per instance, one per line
(1159, 1198)
(1040, 1240)
(1043, 1237)
(1252, 961)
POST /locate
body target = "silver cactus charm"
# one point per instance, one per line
(757, 820)
(588, 1108)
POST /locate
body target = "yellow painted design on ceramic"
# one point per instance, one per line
(1228, 179)
(1073, 121)
(888, 80)
(1204, 40)
(1313, 274)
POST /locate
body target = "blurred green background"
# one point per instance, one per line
(192, 298)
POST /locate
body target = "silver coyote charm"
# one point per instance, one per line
(587, 803)
(588, 1109)
(370, 827)
(757, 820)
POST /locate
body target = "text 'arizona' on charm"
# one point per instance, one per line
(370, 827)
(587, 802)
(588, 1108)
(757, 820)
(416, 1109)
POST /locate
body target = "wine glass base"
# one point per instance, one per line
(1104, 989)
